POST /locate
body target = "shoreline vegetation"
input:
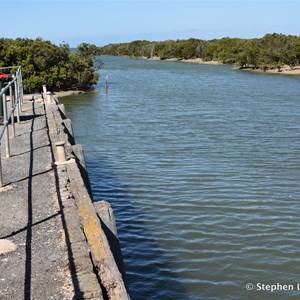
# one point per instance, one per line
(287, 70)
(57, 66)
(76, 70)
(274, 53)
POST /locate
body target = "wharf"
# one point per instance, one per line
(53, 240)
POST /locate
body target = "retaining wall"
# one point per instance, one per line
(94, 253)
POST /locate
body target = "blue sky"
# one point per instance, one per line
(103, 22)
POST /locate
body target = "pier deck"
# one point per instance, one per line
(59, 250)
(30, 216)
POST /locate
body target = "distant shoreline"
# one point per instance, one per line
(199, 61)
(286, 70)
(68, 93)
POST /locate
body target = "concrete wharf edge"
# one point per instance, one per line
(94, 261)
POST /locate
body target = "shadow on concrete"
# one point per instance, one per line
(74, 277)
(25, 178)
(37, 148)
(35, 130)
(25, 118)
(26, 227)
(28, 250)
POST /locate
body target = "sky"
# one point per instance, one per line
(104, 22)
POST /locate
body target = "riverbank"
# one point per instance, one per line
(191, 60)
(68, 93)
(285, 69)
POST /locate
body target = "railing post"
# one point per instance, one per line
(16, 100)
(1, 177)
(19, 89)
(21, 85)
(12, 109)
(15, 87)
(5, 123)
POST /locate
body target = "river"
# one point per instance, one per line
(201, 166)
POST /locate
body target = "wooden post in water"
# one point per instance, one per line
(106, 84)
(111, 242)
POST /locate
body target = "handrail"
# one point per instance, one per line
(15, 90)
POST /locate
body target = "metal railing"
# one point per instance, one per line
(12, 98)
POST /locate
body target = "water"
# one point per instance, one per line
(201, 166)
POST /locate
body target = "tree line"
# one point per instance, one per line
(271, 51)
(55, 65)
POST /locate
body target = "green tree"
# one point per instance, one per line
(271, 51)
(45, 63)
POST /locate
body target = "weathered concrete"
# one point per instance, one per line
(30, 217)
(46, 211)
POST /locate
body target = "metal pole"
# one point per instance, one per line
(16, 100)
(5, 123)
(1, 176)
(19, 99)
(21, 87)
(19, 93)
(12, 110)
(1, 108)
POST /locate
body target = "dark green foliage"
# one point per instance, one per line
(271, 51)
(45, 63)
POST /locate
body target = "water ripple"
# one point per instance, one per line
(201, 165)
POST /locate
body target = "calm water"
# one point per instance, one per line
(201, 165)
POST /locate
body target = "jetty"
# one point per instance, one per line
(56, 241)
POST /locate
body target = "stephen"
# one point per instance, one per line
(276, 287)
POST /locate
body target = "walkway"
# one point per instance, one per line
(59, 238)
(30, 216)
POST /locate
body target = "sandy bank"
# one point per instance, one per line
(286, 70)
(68, 93)
(191, 60)
(200, 61)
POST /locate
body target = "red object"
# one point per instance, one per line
(3, 76)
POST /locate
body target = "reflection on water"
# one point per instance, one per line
(201, 166)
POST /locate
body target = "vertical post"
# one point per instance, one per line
(61, 156)
(1, 108)
(21, 86)
(19, 98)
(106, 84)
(49, 98)
(5, 124)
(1, 177)
(12, 109)
(17, 101)
(44, 88)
